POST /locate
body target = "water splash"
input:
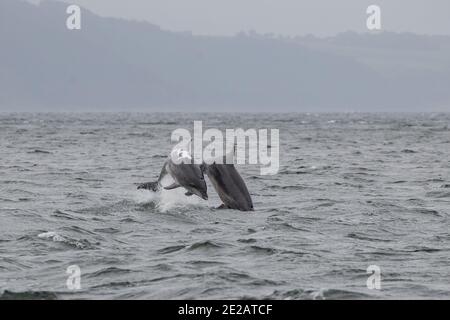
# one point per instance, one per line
(55, 237)
(167, 200)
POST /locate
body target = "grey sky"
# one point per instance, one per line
(287, 17)
(118, 65)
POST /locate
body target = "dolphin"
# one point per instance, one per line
(229, 185)
(184, 174)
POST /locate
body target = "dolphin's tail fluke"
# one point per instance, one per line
(152, 186)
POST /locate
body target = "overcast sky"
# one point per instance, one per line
(286, 17)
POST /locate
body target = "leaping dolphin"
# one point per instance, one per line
(229, 185)
(184, 173)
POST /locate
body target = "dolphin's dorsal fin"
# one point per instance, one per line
(230, 155)
(189, 146)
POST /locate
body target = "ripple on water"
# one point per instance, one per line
(73, 243)
(171, 249)
(366, 189)
(28, 295)
(205, 246)
(108, 271)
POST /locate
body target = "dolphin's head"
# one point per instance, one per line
(198, 187)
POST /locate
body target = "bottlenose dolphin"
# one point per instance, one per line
(185, 174)
(229, 185)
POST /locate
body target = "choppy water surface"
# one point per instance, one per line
(353, 190)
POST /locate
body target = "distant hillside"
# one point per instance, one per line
(114, 64)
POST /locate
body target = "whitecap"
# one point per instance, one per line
(53, 236)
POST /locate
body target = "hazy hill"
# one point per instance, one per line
(114, 64)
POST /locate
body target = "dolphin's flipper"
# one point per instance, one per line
(172, 186)
(152, 186)
(223, 206)
(188, 194)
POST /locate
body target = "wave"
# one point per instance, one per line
(55, 237)
(319, 294)
(438, 194)
(205, 245)
(339, 294)
(40, 151)
(171, 249)
(108, 271)
(28, 295)
(263, 250)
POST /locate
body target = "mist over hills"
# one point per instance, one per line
(114, 64)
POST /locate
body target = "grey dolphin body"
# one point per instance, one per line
(229, 185)
(188, 176)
